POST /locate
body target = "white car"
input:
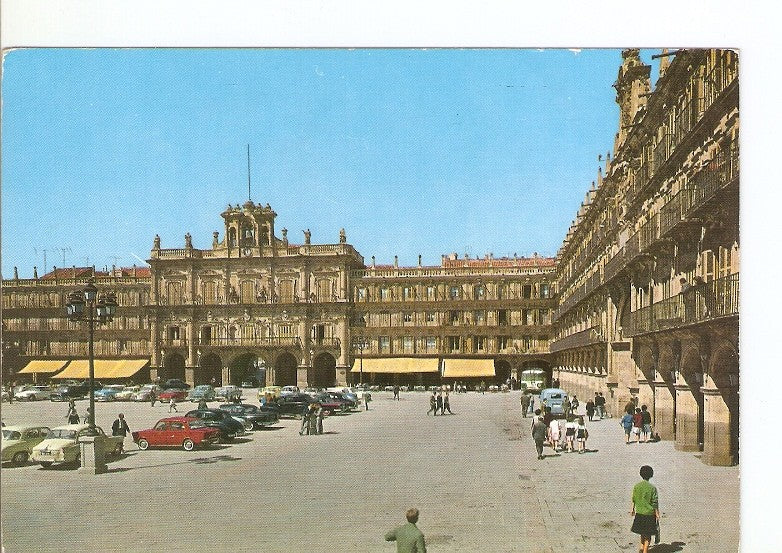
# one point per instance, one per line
(227, 393)
(288, 390)
(62, 445)
(126, 393)
(31, 393)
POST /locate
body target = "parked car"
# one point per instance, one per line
(187, 433)
(554, 398)
(177, 394)
(419, 388)
(144, 392)
(202, 391)
(62, 444)
(32, 393)
(332, 404)
(287, 390)
(257, 417)
(273, 391)
(64, 392)
(250, 382)
(228, 426)
(349, 399)
(175, 383)
(294, 404)
(228, 392)
(19, 440)
(108, 393)
(126, 394)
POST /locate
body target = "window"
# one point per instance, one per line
(384, 344)
(526, 291)
(502, 342)
(385, 294)
(479, 292)
(453, 316)
(502, 317)
(173, 333)
(285, 330)
(286, 291)
(247, 291)
(454, 292)
(430, 316)
(407, 317)
(407, 344)
(431, 295)
(324, 290)
(545, 292)
(361, 294)
(479, 343)
(407, 293)
(385, 318)
(431, 344)
(526, 342)
(501, 291)
(206, 335)
(453, 343)
(478, 317)
(209, 292)
(161, 425)
(525, 316)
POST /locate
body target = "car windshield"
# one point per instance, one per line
(63, 433)
(11, 435)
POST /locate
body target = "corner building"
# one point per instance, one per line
(649, 271)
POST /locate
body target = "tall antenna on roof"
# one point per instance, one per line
(249, 197)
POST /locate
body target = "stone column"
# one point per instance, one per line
(301, 375)
(717, 436)
(225, 376)
(663, 412)
(686, 419)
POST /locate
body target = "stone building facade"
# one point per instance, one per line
(649, 271)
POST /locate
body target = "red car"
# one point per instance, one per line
(166, 395)
(186, 432)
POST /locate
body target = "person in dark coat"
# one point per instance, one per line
(120, 428)
(439, 404)
(539, 431)
(432, 404)
(408, 538)
(590, 409)
(73, 416)
(525, 398)
(446, 405)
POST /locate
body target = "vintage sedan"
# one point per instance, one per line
(332, 404)
(228, 393)
(62, 444)
(177, 394)
(144, 392)
(108, 393)
(176, 383)
(294, 404)
(19, 440)
(32, 393)
(185, 432)
(126, 393)
(257, 417)
(202, 391)
(228, 426)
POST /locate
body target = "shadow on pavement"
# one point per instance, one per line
(667, 547)
(198, 461)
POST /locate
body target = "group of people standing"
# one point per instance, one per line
(568, 434)
(637, 424)
(439, 401)
(312, 419)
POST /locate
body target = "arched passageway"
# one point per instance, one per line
(501, 371)
(324, 373)
(246, 368)
(209, 371)
(173, 367)
(285, 370)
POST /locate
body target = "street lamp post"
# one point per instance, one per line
(360, 343)
(85, 306)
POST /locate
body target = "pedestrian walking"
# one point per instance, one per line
(638, 422)
(554, 434)
(566, 406)
(539, 430)
(646, 509)
(408, 538)
(120, 428)
(87, 416)
(396, 392)
(152, 397)
(172, 405)
(73, 416)
(525, 399)
(570, 433)
(439, 404)
(483, 386)
(11, 393)
(646, 421)
(446, 404)
(305, 421)
(590, 409)
(600, 406)
(320, 412)
(432, 404)
(574, 404)
(598, 410)
(627, 423)
(581, 435)
(313, 419)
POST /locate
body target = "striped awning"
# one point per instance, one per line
(467, 368)
(43, 366)
(397, 365)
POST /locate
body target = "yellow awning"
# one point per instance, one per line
(465, 368)
(125, 368)
(397, 365)
(43, 366)
(80, 369)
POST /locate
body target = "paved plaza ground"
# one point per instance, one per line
(473, 475)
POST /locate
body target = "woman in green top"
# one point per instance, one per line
(645, 508)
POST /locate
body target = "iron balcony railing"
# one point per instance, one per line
(256, 342)
(593, 335)
(711, 300)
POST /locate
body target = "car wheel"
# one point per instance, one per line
(247, 425)
(188, 444)
(19, 458)
(143, 444)
(32, 398)
(46, 464)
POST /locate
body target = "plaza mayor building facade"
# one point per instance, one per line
(641, 300)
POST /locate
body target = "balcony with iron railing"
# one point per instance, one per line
(590, 336)
(273, 341)
(712, 300)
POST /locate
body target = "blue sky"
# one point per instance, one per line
(412, 151)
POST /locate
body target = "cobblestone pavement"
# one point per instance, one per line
(473, 475)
